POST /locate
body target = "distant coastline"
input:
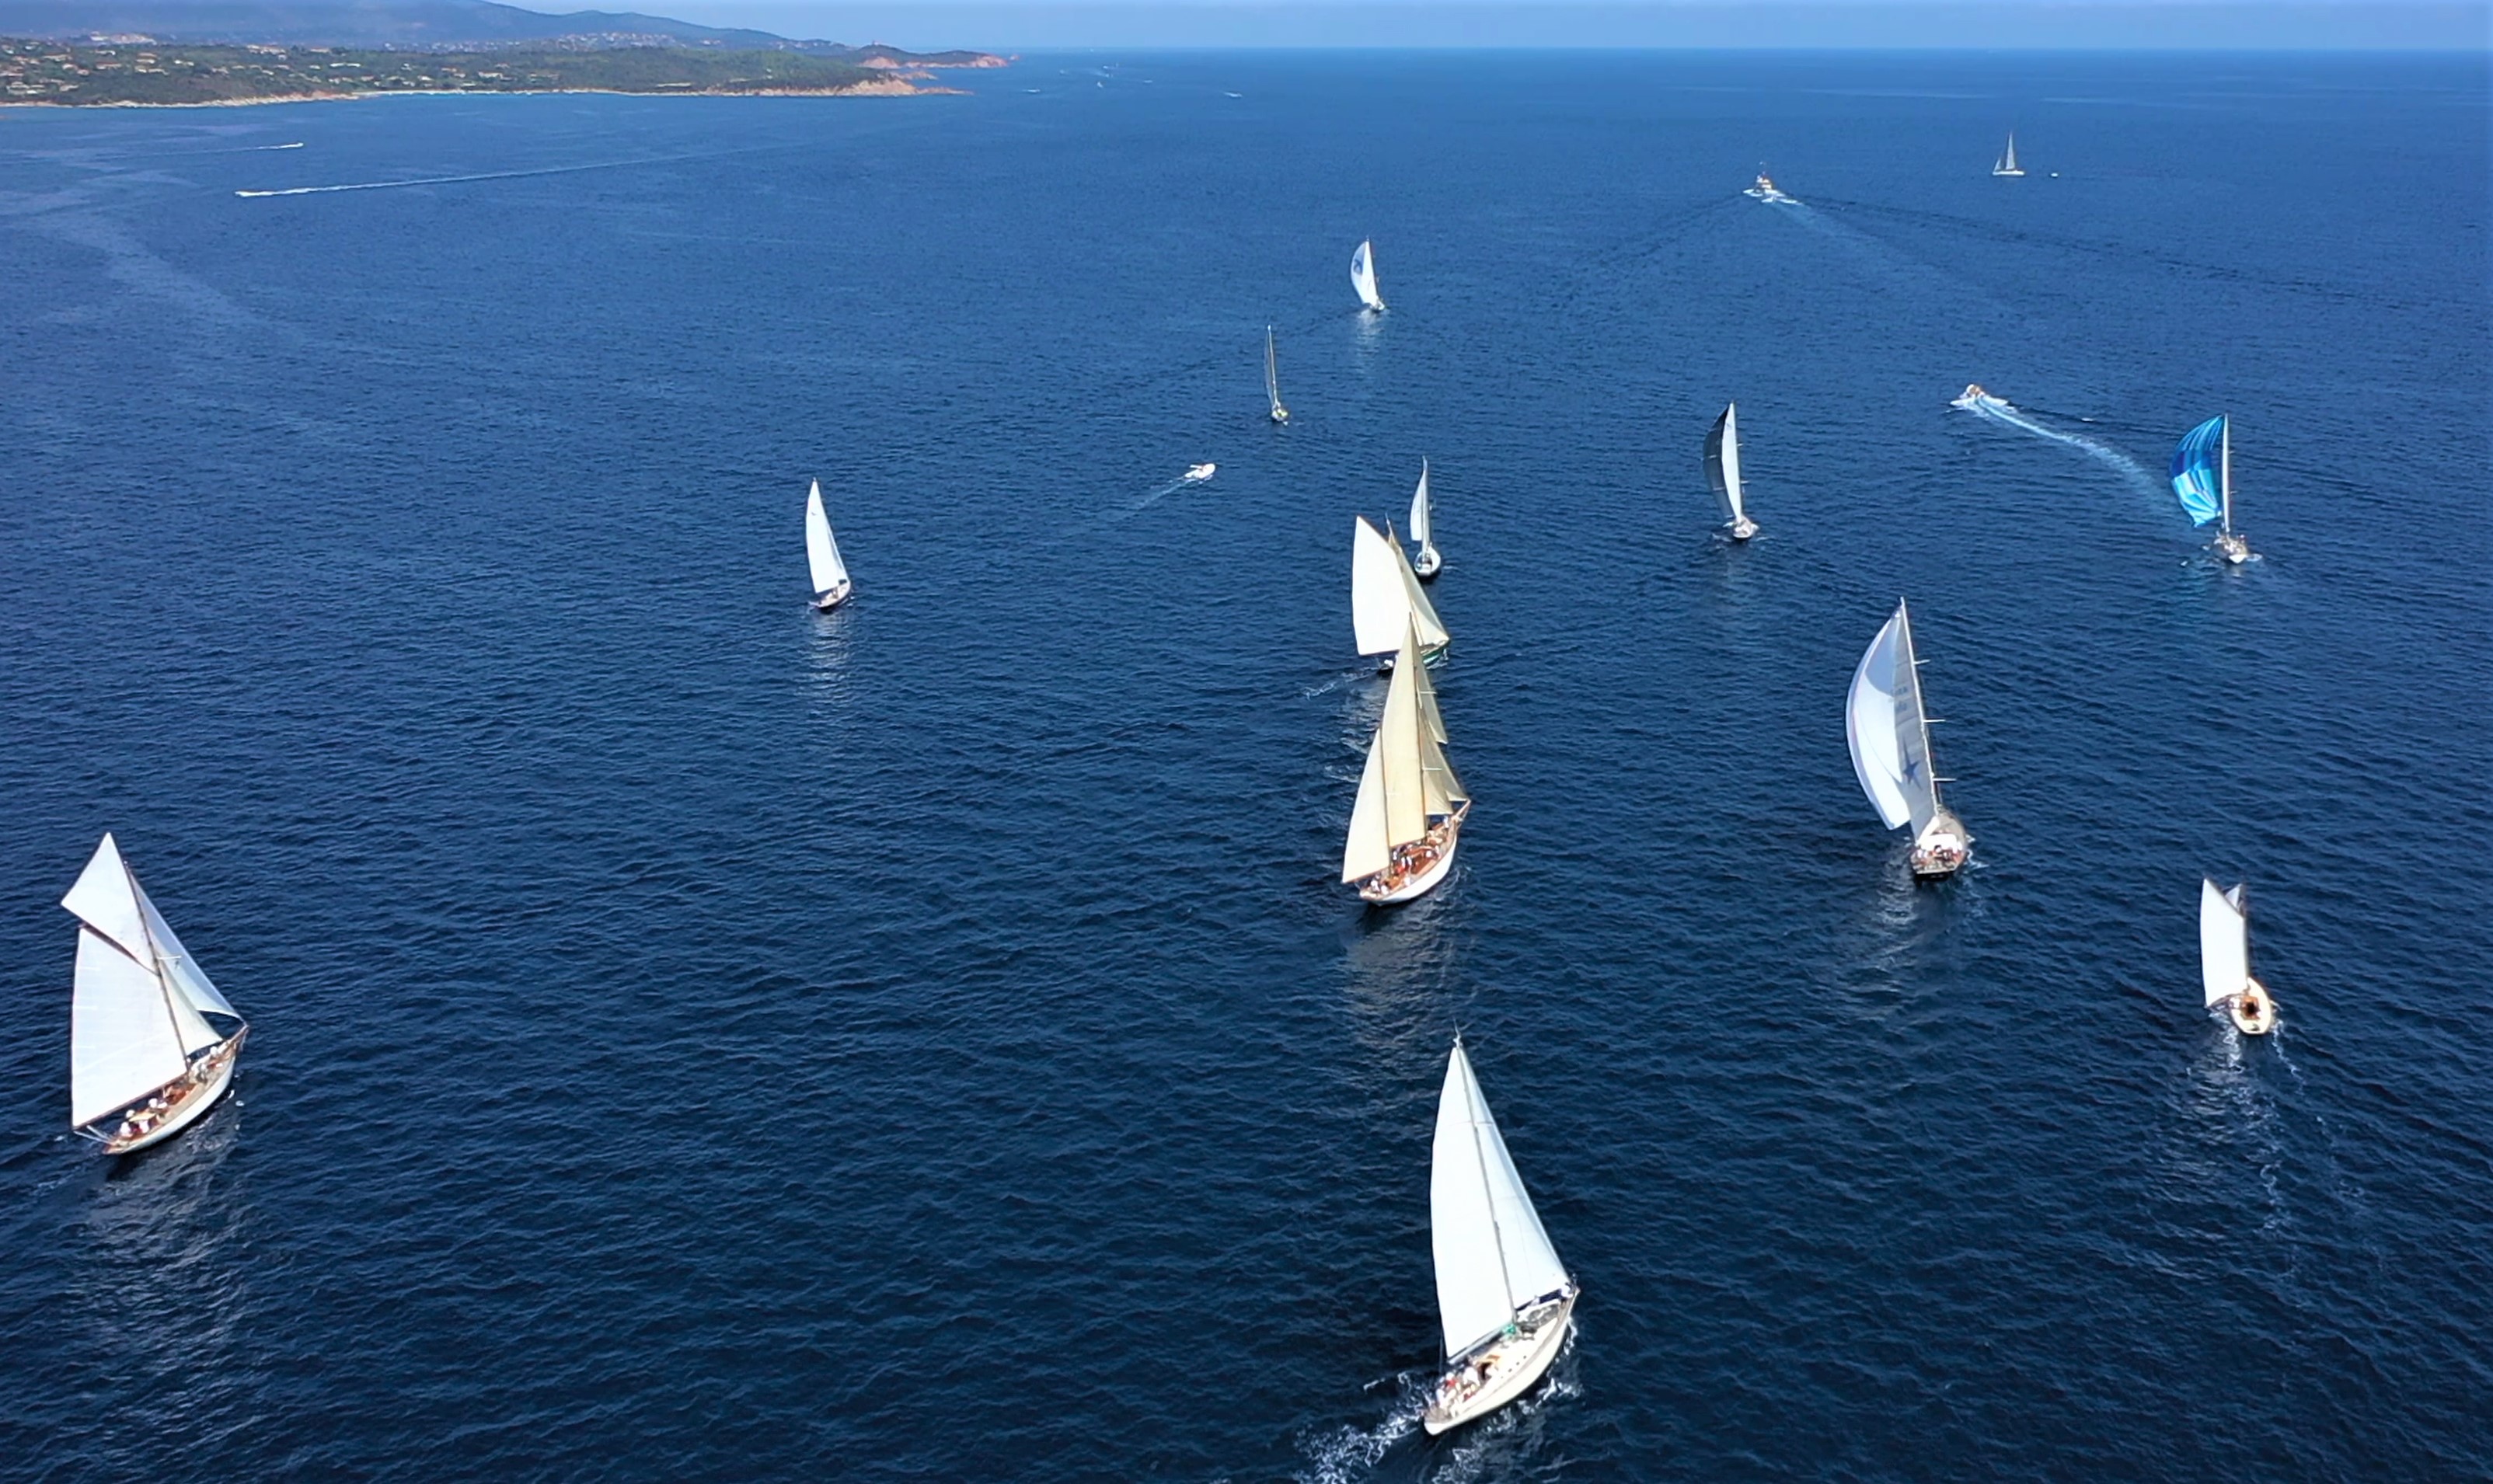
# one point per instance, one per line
(144, 74)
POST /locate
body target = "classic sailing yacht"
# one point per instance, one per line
(2225, 960)
(2203, 476)
(2006, 164)
(1891, 750)
(1723, 468)
(152, 1044)
(1362, 277)
(1423, 566)
(1411, 807)
(1385, 596)
(1504, 1300)
(1272, 379)
(832, 584)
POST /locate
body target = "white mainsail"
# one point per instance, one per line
(2224, 942)
(1407, 778)
(1890, 735)
(1363, 276)
(1420, 505)
(821, 550)
(137, 1008)
(1723, 462)
(1492, 1255)
(1385, 595)
(1273, 377)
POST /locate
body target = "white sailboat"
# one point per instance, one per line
(1890, 737)
(1385, 596)
(1272, 379)
(1409, 814)
(2225, 960)
(152, 1044)
(1362, 277)
(2203, 476)
(1505, 1302)
(1723, 469)
(832, 584)
(1426, 565)
(2007, 164)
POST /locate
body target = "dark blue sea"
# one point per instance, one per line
(696, 1039)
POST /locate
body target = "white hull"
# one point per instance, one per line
(1741, 529)
(2232, 548)
(1374, 893)
(2252, 1012)
(826, 602)
(191, 1109)
(1281, 414)
(1426, 565)
(1940, 854)
(1511, 1376)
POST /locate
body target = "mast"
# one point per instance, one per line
(2225, 477)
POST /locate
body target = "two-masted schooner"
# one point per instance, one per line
(2225, 960)
(1272, 379)
(152, 1044)
(1505, 1302)
(1891, 750)
(1425, 565)
(2006, 164)
(2203, 476)
(1362, 277)
(1411, 807)
(1385, 596)
(832, 584)
(1723, 471)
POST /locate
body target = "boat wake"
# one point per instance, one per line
(1982, 404)
(456, 180)
(1350, 1453)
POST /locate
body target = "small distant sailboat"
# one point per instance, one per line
(1411, 807)
(1765, 189)
(2203, 476)
(1272, 379)
(831, 586)
(1197, 473)
(1362, 277)
(1427, 564)
(2007, 164)
(152, 1044)
(1891, 750)
(2225, 960)
(1723, 469)
(1504, 1303)
(1385, 596)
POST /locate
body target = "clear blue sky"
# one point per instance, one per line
(1038, 24)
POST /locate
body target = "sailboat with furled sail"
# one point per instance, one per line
(1385, 596)
(831, 586)
(2203, 476)
(1425, 565)
(1411, 807)
(2225, 960)
(1362, 277)
(1272, 379)
(1723, 471)
(1504, 1303)
(152, 1044)
(1890, 736)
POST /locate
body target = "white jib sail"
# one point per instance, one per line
(1492, 1255)
(1363, 276)
(1420, 506)
(821, 550)
(1870, 726)
(1385, 596)
(2224, 942)
(1723, 462)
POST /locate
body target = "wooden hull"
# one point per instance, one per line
(1412, 887)
(190, 1107)
(1513, 1375)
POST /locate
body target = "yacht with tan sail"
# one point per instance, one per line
(1411, 807)
(1386, 598)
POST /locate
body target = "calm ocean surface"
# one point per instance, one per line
(699, 1039)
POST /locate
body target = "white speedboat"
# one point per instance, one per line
(1409, 814)
(1765, 189)
(1427, 564)
(1272, 379)
(1973, 398)
(2203, 476)
(832, 584)
(1504, 1303)
(2225, 960)
(1362, 277)
(1723, 471)
(152, 1043)
(1197, 473)
(1890, 737)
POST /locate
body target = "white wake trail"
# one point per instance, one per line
(456, 180)
(2000, 411)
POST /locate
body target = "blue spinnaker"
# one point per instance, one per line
(2194, 471)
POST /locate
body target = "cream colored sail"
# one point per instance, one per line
(1406, 779)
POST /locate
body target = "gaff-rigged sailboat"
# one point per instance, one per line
(2203, 476)
(1362, 277)
(2007, 164)
(152, 1044)
(1272, 379)
(1504, 1300)
(1423, 566)
(1891, 750)
(1411, 807)
(2225, 960)
(1723, 469)
(831, 586)
(1385, 596)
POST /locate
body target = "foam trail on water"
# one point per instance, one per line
(454, 180)
(1350, 1453)
(2000, 411)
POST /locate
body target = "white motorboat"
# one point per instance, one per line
(2203, 476)
(2225, 960)
(1973, 398)
(1362, 277)
(1723, 471)
(832, 584)
(2006, 164)
(1409, 814)
(1197, 473)
(1890, 738)
(1272, 379)
(1427, 564)
(1504, 1303)
(1765, 189)
(1385, 596)
(152, 1043)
